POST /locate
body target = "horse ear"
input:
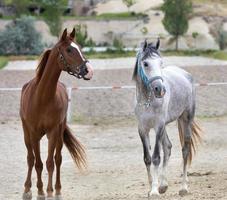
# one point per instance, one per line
(144, 44)
(73, 33)
(157, 44)
(64, 35)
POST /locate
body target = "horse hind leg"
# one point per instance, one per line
(27, 195)
(50, 162)
(166, 146)
(58, 161)
(185, 132)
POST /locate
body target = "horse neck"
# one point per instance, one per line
(47, 85)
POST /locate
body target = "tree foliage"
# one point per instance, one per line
(129, 3)
(21, 38)
(82, 36)
(176, 17)
(20, 6)
(52, 13)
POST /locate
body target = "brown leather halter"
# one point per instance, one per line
(78, 69)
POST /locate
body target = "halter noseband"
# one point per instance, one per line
(78, 68)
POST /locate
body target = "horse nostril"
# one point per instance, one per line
(157, 89)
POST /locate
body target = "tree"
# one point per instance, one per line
(52, 13)
(176, 17)
(82, 36)
(195, 35)
(19, 6)
(129, 3)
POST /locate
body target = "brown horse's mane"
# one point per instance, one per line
(42, 64)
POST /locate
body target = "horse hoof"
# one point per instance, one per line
(27, 196)
(58, 197)
(153, 194)
(50, 198)
(163, 188)
(183, 192)
(41, 197)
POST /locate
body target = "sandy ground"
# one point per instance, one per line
(117, 6)
(116, 169)
(115, 163)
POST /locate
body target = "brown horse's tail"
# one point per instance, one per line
(75, 148)
(195, 139)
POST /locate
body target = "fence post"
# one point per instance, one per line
(69, 90)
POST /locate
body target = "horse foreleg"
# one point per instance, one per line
(39, 169)
(166, 146)
(144, 136)
(50, 164)
(156, 161)
(30, 162)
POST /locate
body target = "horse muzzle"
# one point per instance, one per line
(89, 72)
(158, 89)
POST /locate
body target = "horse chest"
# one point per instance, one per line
(148, 115)
(45, 116)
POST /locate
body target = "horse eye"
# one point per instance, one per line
(68, 50)
(145, 64)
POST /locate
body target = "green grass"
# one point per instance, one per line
(209, 1)
(3, 61)
(221, 55)
(123, 15)
(109, 16)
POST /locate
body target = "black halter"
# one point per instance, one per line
(78, 69)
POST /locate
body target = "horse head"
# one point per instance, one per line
(70, 57)
(149, 68)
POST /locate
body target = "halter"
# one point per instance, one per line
(146, 81)
(78, 69)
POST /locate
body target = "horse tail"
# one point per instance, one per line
(195, 138)
(75, 148)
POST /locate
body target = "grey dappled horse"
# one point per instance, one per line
(164, 95)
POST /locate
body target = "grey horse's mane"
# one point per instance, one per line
(149, 51)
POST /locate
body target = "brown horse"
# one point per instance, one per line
(44, 103)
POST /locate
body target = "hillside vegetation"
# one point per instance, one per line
(210, 8)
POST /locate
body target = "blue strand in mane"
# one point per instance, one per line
(141, 72)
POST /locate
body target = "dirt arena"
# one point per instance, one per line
(116, 169)
(115, 161)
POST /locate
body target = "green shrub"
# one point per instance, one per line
(118, 44)
(21, 38)
(222, 39)
(3, 61)
(82, 36)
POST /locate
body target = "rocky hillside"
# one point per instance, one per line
(209, 18)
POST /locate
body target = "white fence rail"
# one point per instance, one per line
(113, 87)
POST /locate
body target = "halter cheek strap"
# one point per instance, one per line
(68, 67)
(146, 81)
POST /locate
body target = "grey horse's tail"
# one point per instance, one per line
(75, 148)
(195, 139)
